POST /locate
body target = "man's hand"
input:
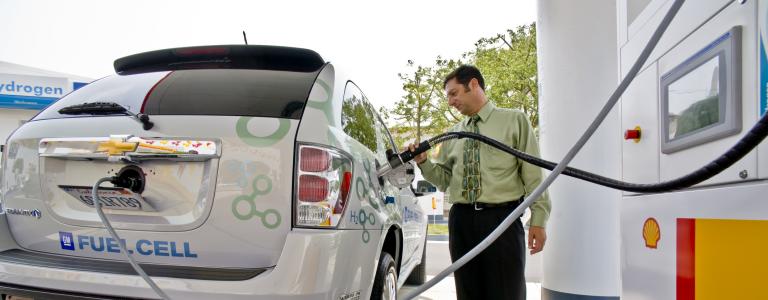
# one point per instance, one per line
(419, 158)
(537, 236)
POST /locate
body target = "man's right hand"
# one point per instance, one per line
(419, 158)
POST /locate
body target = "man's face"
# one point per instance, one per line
(460, 97)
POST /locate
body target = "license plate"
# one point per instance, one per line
(111, 197)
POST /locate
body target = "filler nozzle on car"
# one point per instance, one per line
(395, 160)
(130, 177)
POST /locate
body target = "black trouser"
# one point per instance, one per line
(499, 271)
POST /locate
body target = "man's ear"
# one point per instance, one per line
(474, 84)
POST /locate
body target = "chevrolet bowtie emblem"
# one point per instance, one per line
(116, 147)
(128, 148)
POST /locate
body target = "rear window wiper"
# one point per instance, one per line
(105, 108)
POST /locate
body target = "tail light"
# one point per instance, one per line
(324, 178)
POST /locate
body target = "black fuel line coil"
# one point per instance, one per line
(750, 140)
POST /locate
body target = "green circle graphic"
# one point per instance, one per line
(366, 218)
(364, 192)
(250, 200)
(247, 137)
(326, 106)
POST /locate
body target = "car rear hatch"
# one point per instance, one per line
(216, 168)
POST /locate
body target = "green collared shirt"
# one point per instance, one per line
(503, 176)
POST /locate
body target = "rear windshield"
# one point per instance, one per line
(216, 92)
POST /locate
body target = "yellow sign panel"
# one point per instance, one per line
(722, 259)
(731, 259)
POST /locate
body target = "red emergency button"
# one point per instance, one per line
(633, 134)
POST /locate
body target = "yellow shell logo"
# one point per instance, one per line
(651, 233)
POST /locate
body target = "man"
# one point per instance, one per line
(485, 186)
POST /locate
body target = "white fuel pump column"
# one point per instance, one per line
(578, 69)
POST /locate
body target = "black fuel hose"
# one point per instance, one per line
(748, 142)
(395, 159)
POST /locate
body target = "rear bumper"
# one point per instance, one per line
(35, 293)
(314, 264)
(84, 264)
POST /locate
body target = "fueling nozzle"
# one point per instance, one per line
(130, 177)
(395, 160)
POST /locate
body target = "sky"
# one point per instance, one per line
(371, 41)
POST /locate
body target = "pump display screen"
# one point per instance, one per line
(694, 100)
(700, 98)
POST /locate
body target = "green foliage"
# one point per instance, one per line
(508, 63)
(437, 229)
(355, 120)
(446, 115)
(415, 108)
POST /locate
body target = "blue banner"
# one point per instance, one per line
(763, 79)
(77, 85)
(25, 102)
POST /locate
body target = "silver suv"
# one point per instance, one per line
(253, 174)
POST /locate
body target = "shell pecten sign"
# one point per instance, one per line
(651, 233)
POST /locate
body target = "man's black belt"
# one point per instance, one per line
(483, 205)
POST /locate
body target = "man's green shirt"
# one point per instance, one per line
(503, 177)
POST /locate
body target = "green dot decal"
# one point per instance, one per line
(247, 137)
(364, 193)
(270, 218)
(326, 106)
(366, 218)
(363, 190)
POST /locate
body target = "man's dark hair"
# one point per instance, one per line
(464, 75)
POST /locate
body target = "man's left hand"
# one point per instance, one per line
(537, 236)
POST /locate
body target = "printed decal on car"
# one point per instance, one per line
(366, 191)
(333, 140)
(35, 213)
(261, 141)
(175, 146)
(117, 147)
(143, 247)
(324, 105)
(361, 218)
(410, 215)
(249, 203)
(236, 172)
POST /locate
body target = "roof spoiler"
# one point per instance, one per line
(255, 57)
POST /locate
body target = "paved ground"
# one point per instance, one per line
(438, 259)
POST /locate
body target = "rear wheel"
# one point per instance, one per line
(385, 282)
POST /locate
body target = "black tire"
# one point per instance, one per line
(386, 267)
(419, 274)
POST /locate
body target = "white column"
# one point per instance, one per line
(578, 69)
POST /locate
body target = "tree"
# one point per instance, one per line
(355, 120)
(416, 108)
(424, 110)
(508, 62)
(445, 115)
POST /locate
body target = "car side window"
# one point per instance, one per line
(357, 118)
(383, 138)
